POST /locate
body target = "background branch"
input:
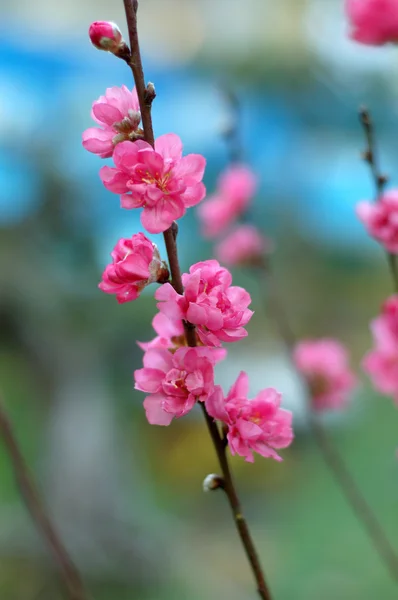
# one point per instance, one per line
(370, 156)
(30, 495)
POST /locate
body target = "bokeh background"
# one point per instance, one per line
(127, 497)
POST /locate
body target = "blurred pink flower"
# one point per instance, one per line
(235, 188)
(218, 309)
(257, 425)
(161, 181)
(373, 22)
(105, 35)
(324, 364)
(171, 336)
(243, 246)
(136, 264)
(175, 382)
(118, 114)
(381, 363)
(381, 219)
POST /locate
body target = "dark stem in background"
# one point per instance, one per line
(370, 156)
(68, 571)
(331, 456)
(333, 459)
(231, 133)
(170, 236)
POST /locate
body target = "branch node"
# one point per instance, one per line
(213, 482)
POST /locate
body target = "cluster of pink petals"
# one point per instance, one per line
(136, 264)
(324, 364)
(175, 381)
(245, 245)
(160, 180)
(170, 335)
(381, 219)
(373, 22)
(105, 35)
(118, 115)
(218, 309)
(381, 363)
(257, 425)
(235, 189)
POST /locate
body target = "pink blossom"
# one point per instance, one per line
(381, 363)
(381, 219)
(243, 246)
(373, 22)
(324, 364)
(105, 35)
(257, 425)
(218, 309)
(118, 114)
(235, 189)
(136, 264)
(161, 181)
(174, 382)
(170, 335)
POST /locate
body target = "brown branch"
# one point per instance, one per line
(170, 238)
(370, 156)
(333, 459)
(68, 571)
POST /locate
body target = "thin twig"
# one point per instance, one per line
(170, 236)
(371, 157)
(341, 473)
(68, 571)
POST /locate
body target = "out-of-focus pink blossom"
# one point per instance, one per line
(136, 264)
(324, 364)
(245, 245)
(381, 219)
(175, 381)
(218, 309)
(257, 425)
(235, 189)
(381, 363)
(171, 336)
(118, 114)
(105, 35)
(373, 22)
(161, 181)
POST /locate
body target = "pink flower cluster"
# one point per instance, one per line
(235, 189)
(324, 364)
(218, 309)
(257, 425)
(381, 219)
(381, 363)
(118, 115)
(164, 183)
(160, 180)
(136, 264)
(373, 22)
(244, 245)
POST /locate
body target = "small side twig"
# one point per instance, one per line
(68, 571)
(380, 180)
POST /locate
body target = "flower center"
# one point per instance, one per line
(161, 181)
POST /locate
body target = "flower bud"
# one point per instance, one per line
(212, 482)
(106, 35)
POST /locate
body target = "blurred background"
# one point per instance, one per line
(127, 497)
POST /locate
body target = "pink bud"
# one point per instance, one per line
(106, 35)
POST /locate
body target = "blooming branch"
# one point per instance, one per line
(199, 310)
